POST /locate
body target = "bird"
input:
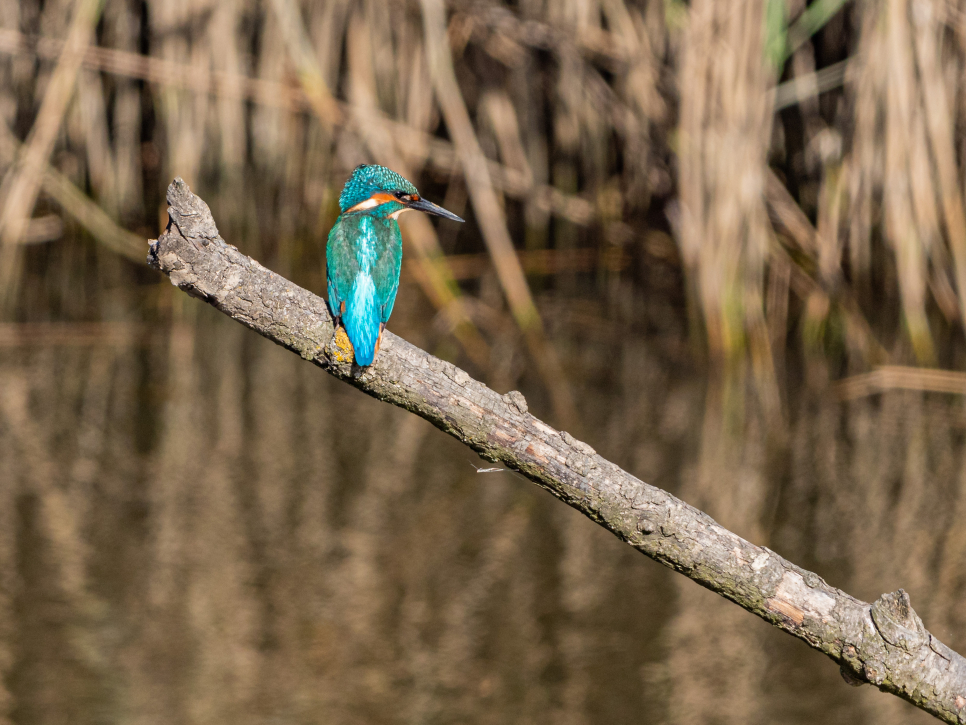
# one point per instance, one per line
(363, 256)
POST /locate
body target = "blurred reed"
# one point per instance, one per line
(561, 123)
(212, 530)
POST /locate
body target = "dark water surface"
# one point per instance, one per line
(199, 527)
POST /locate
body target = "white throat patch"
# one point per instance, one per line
(367, 204)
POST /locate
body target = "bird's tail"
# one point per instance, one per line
(362, 320)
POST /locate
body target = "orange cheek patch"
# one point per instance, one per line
(380, 197)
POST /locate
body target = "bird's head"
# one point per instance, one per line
(382, 192)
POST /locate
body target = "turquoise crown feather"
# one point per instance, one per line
(368, 179)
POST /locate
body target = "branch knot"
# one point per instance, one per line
(515, 399)
(897, 622)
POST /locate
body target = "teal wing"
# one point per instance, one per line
(386, 269)
(341, 266)
(363, 260)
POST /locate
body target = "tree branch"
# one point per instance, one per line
(884, 643)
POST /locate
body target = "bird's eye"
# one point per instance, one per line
(399, 194)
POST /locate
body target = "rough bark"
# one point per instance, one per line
(884, 643)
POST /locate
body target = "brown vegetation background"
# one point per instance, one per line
(722, 242)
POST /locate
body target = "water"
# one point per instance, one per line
(199, 527)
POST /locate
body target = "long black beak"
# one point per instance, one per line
(430, 208)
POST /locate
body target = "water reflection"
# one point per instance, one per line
(200, 527)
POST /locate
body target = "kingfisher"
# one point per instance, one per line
(363, 257)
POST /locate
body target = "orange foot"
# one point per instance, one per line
(382, 327)
(344, 351)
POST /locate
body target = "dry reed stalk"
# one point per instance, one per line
(897, 377)
(302, 54)
(227, 60)
(790, 217)
(865, 167)
(415, 144)
(923, 193)
(831, 203)
(18, 192)
(91, 217)
(76, 203)
(647, 112)
(42, 229)
(94, 125)
(724, 235)
(185, 117)
(498, 111)
(725, 241)
(526, 84)
(536, 262)
(121, 28)
(485, 203)
(776, 307)
(809, 84)
(802, 63)
(940, 127)
(489, 213)
(275, 134)
(902, 73)
(162, 71)
(903, 124)
(431, 270)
